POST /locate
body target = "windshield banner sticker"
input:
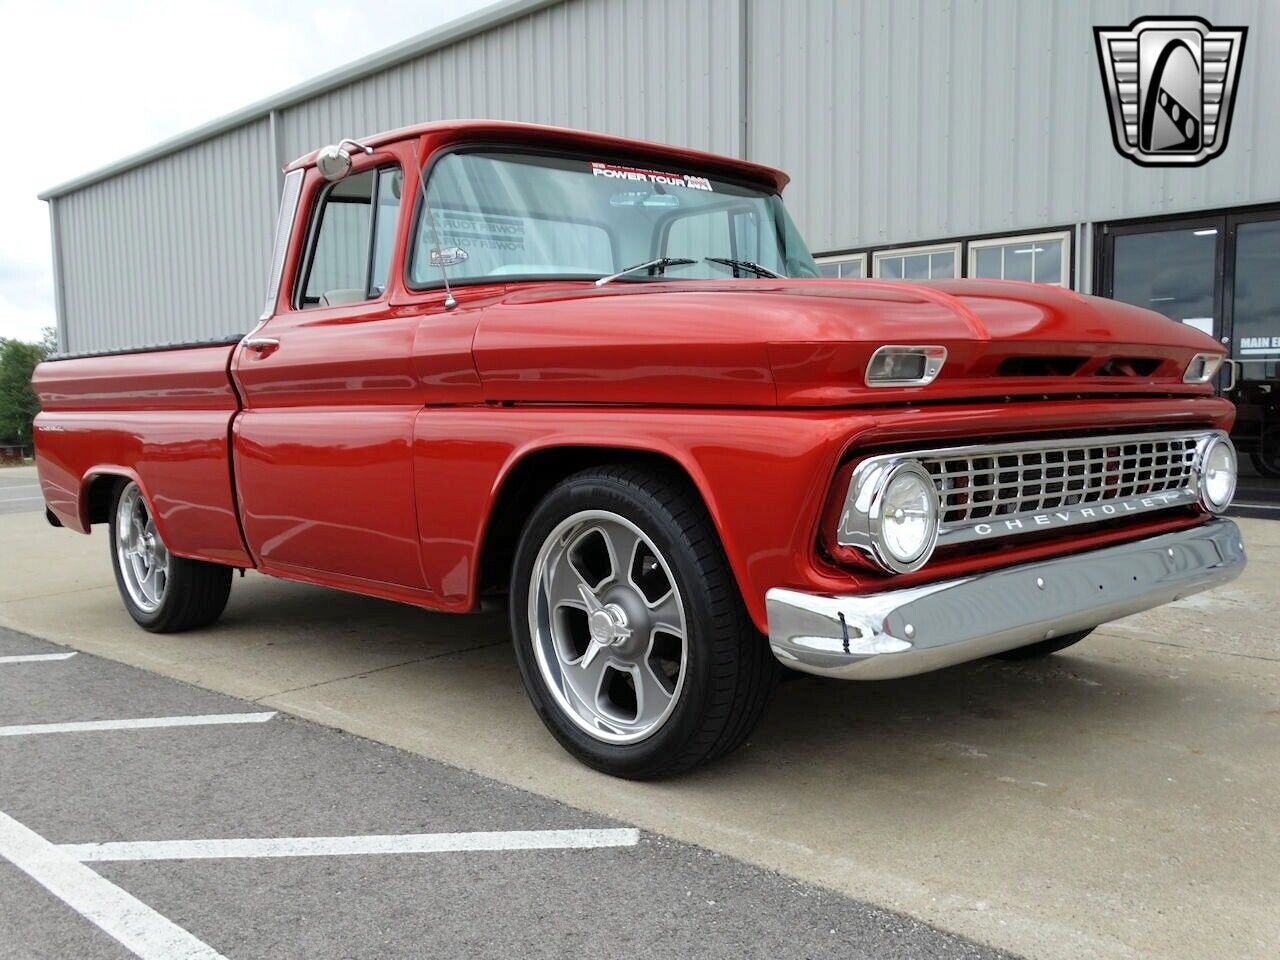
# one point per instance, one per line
(599, 169)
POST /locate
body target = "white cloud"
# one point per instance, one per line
(87, 83)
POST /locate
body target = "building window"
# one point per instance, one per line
(1040, 257)
(847, 266)
(941, 261)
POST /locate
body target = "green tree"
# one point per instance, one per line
(18, 406)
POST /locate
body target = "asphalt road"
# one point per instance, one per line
(279, 777)
(19, 490)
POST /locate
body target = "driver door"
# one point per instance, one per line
(323, 449)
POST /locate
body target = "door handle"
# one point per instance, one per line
(262, 346)
(1234, 367)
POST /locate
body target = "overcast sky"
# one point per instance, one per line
(84, 83)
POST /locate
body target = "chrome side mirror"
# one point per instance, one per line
(334, 162)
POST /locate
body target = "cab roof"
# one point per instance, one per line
(449, 132)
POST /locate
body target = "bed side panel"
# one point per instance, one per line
(160, 418)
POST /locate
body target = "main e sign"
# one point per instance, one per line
(1170, 84)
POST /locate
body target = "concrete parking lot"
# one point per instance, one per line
(1115, 801)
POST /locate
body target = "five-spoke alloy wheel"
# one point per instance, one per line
(141, 556)
(164, 593)
(631, 636)
(608, 626)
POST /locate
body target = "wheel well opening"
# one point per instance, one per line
(531, 480)
(99, 495)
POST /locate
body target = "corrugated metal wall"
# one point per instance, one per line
(910, 120)
(173, 251)
(899, 120)
(656, 69)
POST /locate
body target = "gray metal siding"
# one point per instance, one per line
(899, 120)
(663, 70)
(172, 251)
(912, 120)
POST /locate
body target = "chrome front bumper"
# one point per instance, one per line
(898, 633)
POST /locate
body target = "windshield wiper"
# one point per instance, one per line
(751, 265)
(660, 264)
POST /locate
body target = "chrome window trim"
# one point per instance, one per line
(869, 472)
(289, 197)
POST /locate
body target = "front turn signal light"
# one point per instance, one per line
(901, 365)
(1202, 368)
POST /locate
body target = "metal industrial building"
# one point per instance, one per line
(925, 137)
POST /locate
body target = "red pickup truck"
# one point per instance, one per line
(605, 378)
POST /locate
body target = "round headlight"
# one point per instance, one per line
(905, 525)
(1217, 469)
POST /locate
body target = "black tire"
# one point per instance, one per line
(195, 593)
(1266, 458)
(729, 669)
(1045, 647)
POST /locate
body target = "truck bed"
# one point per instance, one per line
(160, 417)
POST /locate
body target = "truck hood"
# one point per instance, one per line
(807, 342)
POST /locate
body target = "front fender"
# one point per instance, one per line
(763, 476)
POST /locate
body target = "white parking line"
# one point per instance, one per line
(36, 657)
(347, 846)
(78, 726)
(130, 921)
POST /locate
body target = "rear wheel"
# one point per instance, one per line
(163, 593)
(1045, 647)
(631, 637)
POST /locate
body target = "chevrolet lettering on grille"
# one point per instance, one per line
(1071, 515)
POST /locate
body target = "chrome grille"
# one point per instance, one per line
(1010, 480)
(1006, 489)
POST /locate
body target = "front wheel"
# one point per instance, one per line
(163, 593)
(631, 637)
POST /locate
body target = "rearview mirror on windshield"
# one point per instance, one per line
(643, 198)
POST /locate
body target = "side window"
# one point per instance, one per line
(353, 240)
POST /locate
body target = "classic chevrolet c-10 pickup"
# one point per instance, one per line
(605, 379)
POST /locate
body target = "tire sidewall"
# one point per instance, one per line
(635, 505)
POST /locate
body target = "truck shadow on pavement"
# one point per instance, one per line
(1015, 722)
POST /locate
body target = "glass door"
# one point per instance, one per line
(1218, 273)
(1253, 328)
(1173, 268)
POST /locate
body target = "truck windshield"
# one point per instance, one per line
(508, 215)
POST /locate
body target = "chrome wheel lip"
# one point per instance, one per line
(142, 556)
(548, 650)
